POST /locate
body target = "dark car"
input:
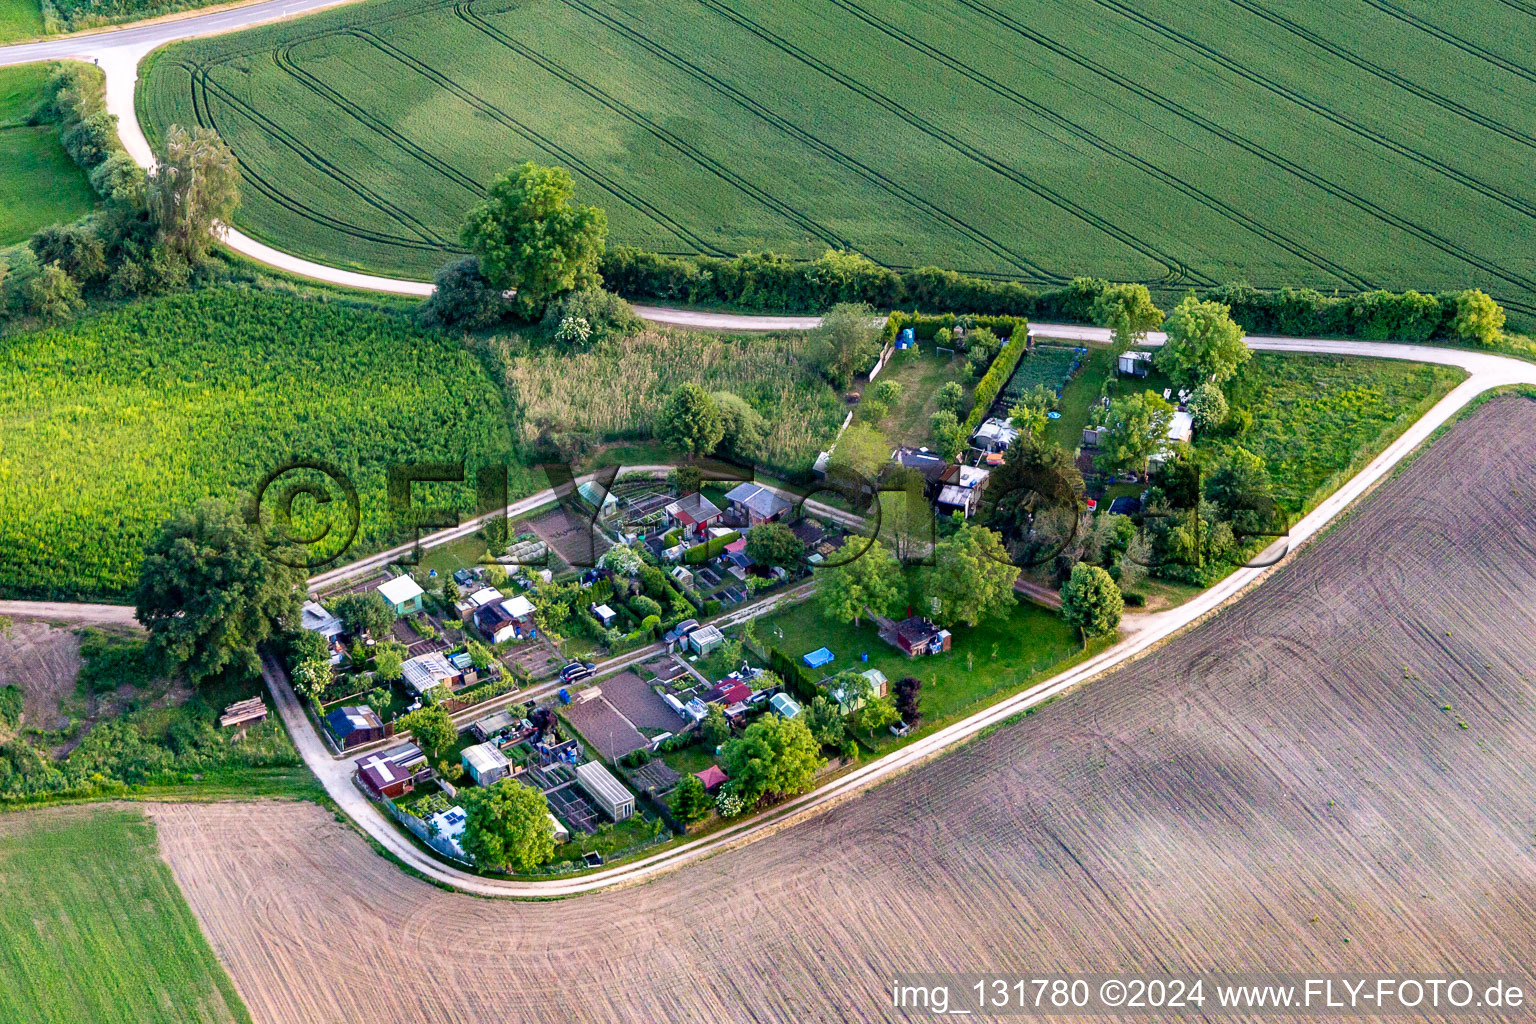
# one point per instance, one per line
(576, 670)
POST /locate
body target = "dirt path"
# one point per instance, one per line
(1281, 781)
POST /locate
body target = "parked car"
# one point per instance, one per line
(576, 670)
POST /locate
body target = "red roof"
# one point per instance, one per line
(739, 544)
(736, 693)
(713, 777)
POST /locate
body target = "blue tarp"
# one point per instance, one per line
(818, 657)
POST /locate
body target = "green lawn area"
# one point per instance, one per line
(39, 183)
(19, 19)
(1078, 396)
(920, 372)
(995, 657)
(96, 929)
(1317, 419)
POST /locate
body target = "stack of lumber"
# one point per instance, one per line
(244, 712)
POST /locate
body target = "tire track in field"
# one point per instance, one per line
(640, 205)
(636, 201)
(1428, 237)
(1409, 18)
(1176, 272)
(283, 56)
(1512, 202)
(308, 155)
(1219, 206)
(656, 131)
(873, 176)
(1387, 74)
(203, 114)
(1518, 5)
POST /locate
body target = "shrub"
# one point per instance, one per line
(606, 315)
(645, 606)
(462, 298)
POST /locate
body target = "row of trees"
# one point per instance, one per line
(153, 233)
(967, 578)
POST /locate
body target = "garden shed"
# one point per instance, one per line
(605, 790)
(402, 594)
(485, 763)
(705, 639)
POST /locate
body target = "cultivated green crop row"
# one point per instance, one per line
(1178, 142)
(109, 426)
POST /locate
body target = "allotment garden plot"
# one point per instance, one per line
(1180, 144)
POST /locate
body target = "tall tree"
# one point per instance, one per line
(1091, 601)
(1035, 500)
(773, 757)
(193, 191)
(908, 693)
(363, 613)
(774, 544)
(691, 802)
(507, 826)
(433, 731)
(210, 591)
(846, 342)
(1128, 311)
(1478, 318)
(1138, 429)
(972, 578)
(531, 237)
(690, 422)
(862, 576)
(856, 460)
(742, 427)
(1204, 343)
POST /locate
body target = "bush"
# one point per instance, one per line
(710, 548)
(607, 315)
(645, 606)
(463, 298)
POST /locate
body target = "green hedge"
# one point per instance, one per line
(797, 679)
(995, 379)
(710, 548)
(767, 282)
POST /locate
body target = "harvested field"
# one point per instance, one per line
(636, 700)
(601, 725)
(579, 543)
(1280, 789)
(44, 662)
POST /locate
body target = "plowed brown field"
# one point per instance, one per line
(1281, 789)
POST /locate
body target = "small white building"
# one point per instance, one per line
(485, 763)
(784, 705)
(605, 790)
(604, 614)
(1181, 427)
(1134, 364)
(561, 832)
(994, 435)
(449, 826)
(402, 594)
(317, 620)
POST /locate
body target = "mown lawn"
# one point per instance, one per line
(990, 659)
(20, 19)
(39, 183)
(920, 372)
(96, 929)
